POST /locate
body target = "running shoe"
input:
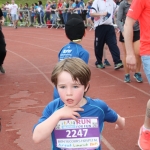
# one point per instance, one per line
(138, 77)
(127, 78)
(2, 69)
(144, 139)
(118, 66)
(106, 62)
(101, 66)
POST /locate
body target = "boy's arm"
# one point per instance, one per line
(120, 123)
(43, 130)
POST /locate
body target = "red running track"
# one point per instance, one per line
(26, 88)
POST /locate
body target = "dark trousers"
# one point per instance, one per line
(2, 54)
(61, 18)
(40, 18)
(2, 48)
(106, 34)
(47, 16)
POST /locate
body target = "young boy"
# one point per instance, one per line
(72, 84)
(75, 30)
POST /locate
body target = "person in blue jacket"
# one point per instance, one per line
(75, 31)
(71, 76)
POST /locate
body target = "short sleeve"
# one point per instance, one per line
(109, 114)
(46, 113)
(73, 5)
(94, 7)
(84, 55)
(136, 8)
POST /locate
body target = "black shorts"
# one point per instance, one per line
(136, 36)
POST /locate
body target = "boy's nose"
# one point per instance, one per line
(69, 92)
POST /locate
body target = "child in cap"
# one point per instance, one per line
(72, 107)
(75, 30)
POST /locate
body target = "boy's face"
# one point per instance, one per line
(71, 92)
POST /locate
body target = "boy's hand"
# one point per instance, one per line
(70, 112)
(121, 125)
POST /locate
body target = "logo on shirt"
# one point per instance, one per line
(67, 51)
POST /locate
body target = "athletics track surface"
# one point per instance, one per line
(26, 88)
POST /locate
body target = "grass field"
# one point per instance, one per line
(22, 1)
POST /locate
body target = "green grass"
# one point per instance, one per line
(22, 2)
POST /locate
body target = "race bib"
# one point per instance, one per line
(81, 135)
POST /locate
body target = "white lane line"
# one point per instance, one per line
(35, 34)
(135, 116)
(122, 81)
(11, 130)
(48, 80)
(22, 108)
(108, 145)
(133, 97)
(34, 45)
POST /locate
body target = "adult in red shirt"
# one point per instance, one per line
(60, 8)
(140, 10)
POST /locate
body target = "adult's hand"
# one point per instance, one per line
(131, 62)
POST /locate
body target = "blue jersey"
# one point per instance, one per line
(68, 51)
(93, 108)
(73, 50)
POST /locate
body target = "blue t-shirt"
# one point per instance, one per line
(93, 108)
(68, 51)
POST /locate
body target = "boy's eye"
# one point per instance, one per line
(75, 86)
(62, 87)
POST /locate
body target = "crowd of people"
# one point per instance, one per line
(52, 12)
(72, 84)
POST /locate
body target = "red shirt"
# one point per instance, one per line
(140, 10)
(60, 6)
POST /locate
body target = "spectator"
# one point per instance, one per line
(102, 11)
(40, 13)
(47, 11)
(20, 13)
(60, 8)
(53, 12)
(13, 10)
(4, 11)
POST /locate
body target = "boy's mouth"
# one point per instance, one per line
(70, 101)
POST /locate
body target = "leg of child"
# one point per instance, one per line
(106, 62)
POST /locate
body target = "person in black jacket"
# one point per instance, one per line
(2, 44)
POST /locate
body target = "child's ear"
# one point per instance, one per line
(87, 87)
